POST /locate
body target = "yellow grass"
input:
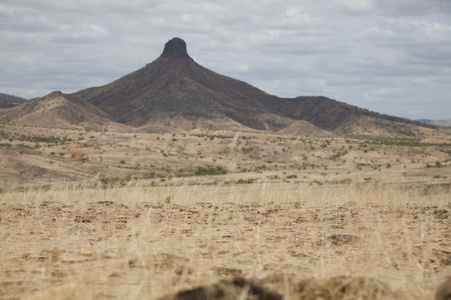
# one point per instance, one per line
(75, 153)
(144, 242)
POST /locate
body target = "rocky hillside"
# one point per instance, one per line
(57, 110)
(174, 93)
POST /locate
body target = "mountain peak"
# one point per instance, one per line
(175, 48)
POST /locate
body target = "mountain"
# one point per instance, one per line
(176, 91)
(57, 110)
(10, 98)
(442, 123)
(7, 101)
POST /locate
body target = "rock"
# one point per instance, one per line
(358, 287)
(82, 220)
(342, 287)
(227, 271)
(440, 214)
(134, 262)
(445, 260)
(311, 289)
(339, 239)
(60, 273)
(444, 291)
(175, 48)
(115, 274)
(237, 288)
(183, 270)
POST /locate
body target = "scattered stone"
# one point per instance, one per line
(169, 259)
(82, 220)
(444, 256)
(227, 271)
(444, 290)
(119, 226)
(183, 270)
(115, 274)
(445, 260)
(60, 273)
(329, 218)
(106, 202)
(342, 287)
(440, 214)
(339, 239)
(358, 287)
(74, 260)
(109, 256)
(310, 289)
(237, 288)
(133, 262)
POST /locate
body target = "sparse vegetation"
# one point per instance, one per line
(117, 218)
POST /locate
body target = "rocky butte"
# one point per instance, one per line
(175, 93)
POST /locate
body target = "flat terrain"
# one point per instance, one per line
(49, 154)
(137, 243)
(110, 215)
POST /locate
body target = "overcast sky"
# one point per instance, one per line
(389, 56)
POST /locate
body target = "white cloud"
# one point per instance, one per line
(392, 7)
(343, 49)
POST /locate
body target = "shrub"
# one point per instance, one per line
(201, 171)
(76, 153)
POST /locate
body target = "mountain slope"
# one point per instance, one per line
(174, 85)
(8, 101)
(443, 123)
(57, 110)
(10, 98)
(175, 91)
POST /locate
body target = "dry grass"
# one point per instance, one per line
(76, 153)
(46, 154)
(143, 242)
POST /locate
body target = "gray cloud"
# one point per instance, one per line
(392, 7)
(378, 54)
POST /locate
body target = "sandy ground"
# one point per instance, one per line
(144, 242)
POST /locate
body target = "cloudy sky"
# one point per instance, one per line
(389, 56)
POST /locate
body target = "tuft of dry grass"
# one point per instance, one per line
(292, 240)
(76, 153)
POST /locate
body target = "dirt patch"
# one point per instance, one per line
(213, 243)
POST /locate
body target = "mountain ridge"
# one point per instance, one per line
(176, 93)
(57, 110)
(10, 98)
(442, 123)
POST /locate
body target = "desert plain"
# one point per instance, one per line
(208, 214)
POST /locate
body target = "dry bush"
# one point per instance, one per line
(76, 153)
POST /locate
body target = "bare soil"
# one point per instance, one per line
(223, 215)
(142, 242)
